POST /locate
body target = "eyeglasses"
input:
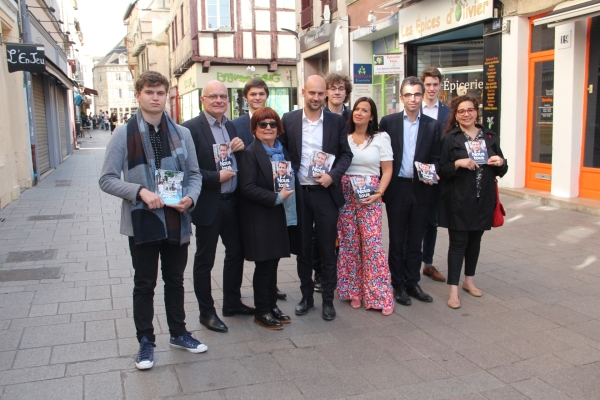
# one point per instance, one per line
(338, 88)
(466, 110)
(214, 97)
(270, 124)
(409, 95)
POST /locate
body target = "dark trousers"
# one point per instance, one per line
(431, 226)
(463, 245)
(320, 210)
(316, 257)
(227, 226)
(173, 259)
(265, 286)
(406, 222)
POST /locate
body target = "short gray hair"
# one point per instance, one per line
(412, 80)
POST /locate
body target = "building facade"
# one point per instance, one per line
(114, 83)
(232, 41)
(147, 39)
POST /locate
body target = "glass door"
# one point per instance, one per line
(540, 116)
(589, 185)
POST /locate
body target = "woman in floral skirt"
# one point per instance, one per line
(363, 271)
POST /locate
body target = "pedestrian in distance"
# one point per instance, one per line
(362, 267)
(154, 230)
(469, 194)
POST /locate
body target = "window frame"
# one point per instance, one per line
(218, 8)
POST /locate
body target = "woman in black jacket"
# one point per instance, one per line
(469, 193)
(268, 217)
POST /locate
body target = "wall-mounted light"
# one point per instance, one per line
(58, 20)
(250, 68)
(292, 32)
(373, 18)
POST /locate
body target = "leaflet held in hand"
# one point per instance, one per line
(426, 172)
(283, 175)
(362, 186)
(320, 163)
(477, 151)
(223, 158)
(169, 185)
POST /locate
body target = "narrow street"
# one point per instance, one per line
(535, 333)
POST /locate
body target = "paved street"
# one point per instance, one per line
(534, 334)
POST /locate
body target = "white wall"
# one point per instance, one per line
(569, 90)
(513, 100)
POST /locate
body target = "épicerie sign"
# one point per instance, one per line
(25, 57)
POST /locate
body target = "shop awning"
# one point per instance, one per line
(59, 74)
(89, 91)
(570, 11)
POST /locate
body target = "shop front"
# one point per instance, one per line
(463, 41)
(282, 92)
(378, 64)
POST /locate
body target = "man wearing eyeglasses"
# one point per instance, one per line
(415, 137)
(217, 211)
(339, 88)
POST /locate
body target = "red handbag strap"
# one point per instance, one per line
(497, 191)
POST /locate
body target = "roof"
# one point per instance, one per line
(112, 57)
(129, 9)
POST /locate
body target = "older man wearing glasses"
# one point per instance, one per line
(216, 213)
(415, 137)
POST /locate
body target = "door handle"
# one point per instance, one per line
(590, 89)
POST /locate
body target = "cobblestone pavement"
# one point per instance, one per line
(534, 334)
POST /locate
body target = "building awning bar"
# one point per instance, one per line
(575, 12)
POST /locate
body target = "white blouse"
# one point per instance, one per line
(367, 158)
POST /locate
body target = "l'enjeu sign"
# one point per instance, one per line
(25, 57)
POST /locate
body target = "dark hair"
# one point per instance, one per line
(411, 80)
(265, 113)
(151, 79)
(431, 72)
(332, 79)
(255, 83)
(373, 126)
(457, 101)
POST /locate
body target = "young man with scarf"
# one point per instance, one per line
(151, 141)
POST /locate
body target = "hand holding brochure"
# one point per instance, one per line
(320, 163)
(361, 185)
(426, 172)
(477, 151)
(169, 185)
(283, 176)
(223, 158)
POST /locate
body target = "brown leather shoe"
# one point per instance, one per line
(433, 273)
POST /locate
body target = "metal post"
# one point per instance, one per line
(26, 37)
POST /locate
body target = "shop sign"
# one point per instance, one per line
(339, 48)
(384, 64)
(434, 16)
(231, 77)
(359, 91)
(363, 73)
(376, 26)
(545, 108)
(25, 57)
(492, 77)
(316, 37)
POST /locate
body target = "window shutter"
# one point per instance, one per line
(306, 15)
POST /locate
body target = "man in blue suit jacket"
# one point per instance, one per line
(256, 93)
(432, 107)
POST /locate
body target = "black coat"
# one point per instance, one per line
(335, 141)
(265, 234)
(208, 203)
(427, 151)
(460, 209)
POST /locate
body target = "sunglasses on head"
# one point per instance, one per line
(264, 124)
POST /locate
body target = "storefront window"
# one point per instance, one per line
(386, 88)
(542, 38)
(189, 104)
(543, 112)
(461, 65)
(591, 157)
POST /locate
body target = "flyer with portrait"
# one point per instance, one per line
(283, 176)
(169, 185)
(362, 187)
(477, 151)
(223, 158)
(320, 163)
(426, 172)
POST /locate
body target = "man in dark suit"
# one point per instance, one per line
(306, 130)
(432, 107)
(415, 137)
(216, 213)
(256, 93)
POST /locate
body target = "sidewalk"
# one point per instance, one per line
(534, 334)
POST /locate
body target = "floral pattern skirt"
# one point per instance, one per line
(362, 267)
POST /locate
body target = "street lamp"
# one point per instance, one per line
(250, 68)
